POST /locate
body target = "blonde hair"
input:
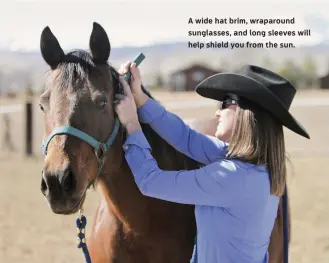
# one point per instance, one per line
(258, 138)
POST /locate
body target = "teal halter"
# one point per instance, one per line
(104, 146)
(100, 148)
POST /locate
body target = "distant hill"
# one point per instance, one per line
(18, 67)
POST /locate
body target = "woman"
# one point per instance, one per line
(236, 193)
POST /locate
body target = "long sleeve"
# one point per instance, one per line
(200, 147)
(217, 184)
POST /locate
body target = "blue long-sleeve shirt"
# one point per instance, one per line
(234, 209)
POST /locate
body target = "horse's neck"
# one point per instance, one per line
(121, 193)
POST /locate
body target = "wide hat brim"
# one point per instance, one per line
(219, 85)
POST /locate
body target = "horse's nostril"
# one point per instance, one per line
(44, 187)
(68, 181)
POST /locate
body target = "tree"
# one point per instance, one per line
(158, 83)
(310, 71)
(291, 72)
(29, 90)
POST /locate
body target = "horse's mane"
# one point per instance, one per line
(77, 66)
(167, 156)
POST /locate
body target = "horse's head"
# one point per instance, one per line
(78, 114)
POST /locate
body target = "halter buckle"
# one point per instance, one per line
(100, 154)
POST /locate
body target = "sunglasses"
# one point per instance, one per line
(227, 102)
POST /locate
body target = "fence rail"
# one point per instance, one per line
(26, 121)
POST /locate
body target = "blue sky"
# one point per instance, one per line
(146, 22)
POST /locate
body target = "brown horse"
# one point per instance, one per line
(128, 227)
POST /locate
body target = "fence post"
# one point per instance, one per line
(28, 129)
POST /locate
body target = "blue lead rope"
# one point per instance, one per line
(81, 223)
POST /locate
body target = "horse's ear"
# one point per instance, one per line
(99, 44)
(51, 51)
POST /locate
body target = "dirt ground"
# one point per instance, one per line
(29, 232)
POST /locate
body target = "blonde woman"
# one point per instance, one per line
(236, 194)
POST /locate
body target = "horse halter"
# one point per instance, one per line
(100, 148)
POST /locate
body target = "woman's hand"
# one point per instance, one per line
(135, 83)
(125, 107)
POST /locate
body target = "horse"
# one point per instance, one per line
(78, 111)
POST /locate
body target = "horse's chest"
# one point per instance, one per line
(101, 241)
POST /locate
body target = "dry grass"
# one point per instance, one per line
(29, 230)
(31, 233)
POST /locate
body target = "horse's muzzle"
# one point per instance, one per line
(59, 188)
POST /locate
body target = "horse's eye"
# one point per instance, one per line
(102, 104)
(41, 107)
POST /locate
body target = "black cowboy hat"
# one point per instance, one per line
(262, 86)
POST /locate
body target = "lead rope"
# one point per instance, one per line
(81, 222)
